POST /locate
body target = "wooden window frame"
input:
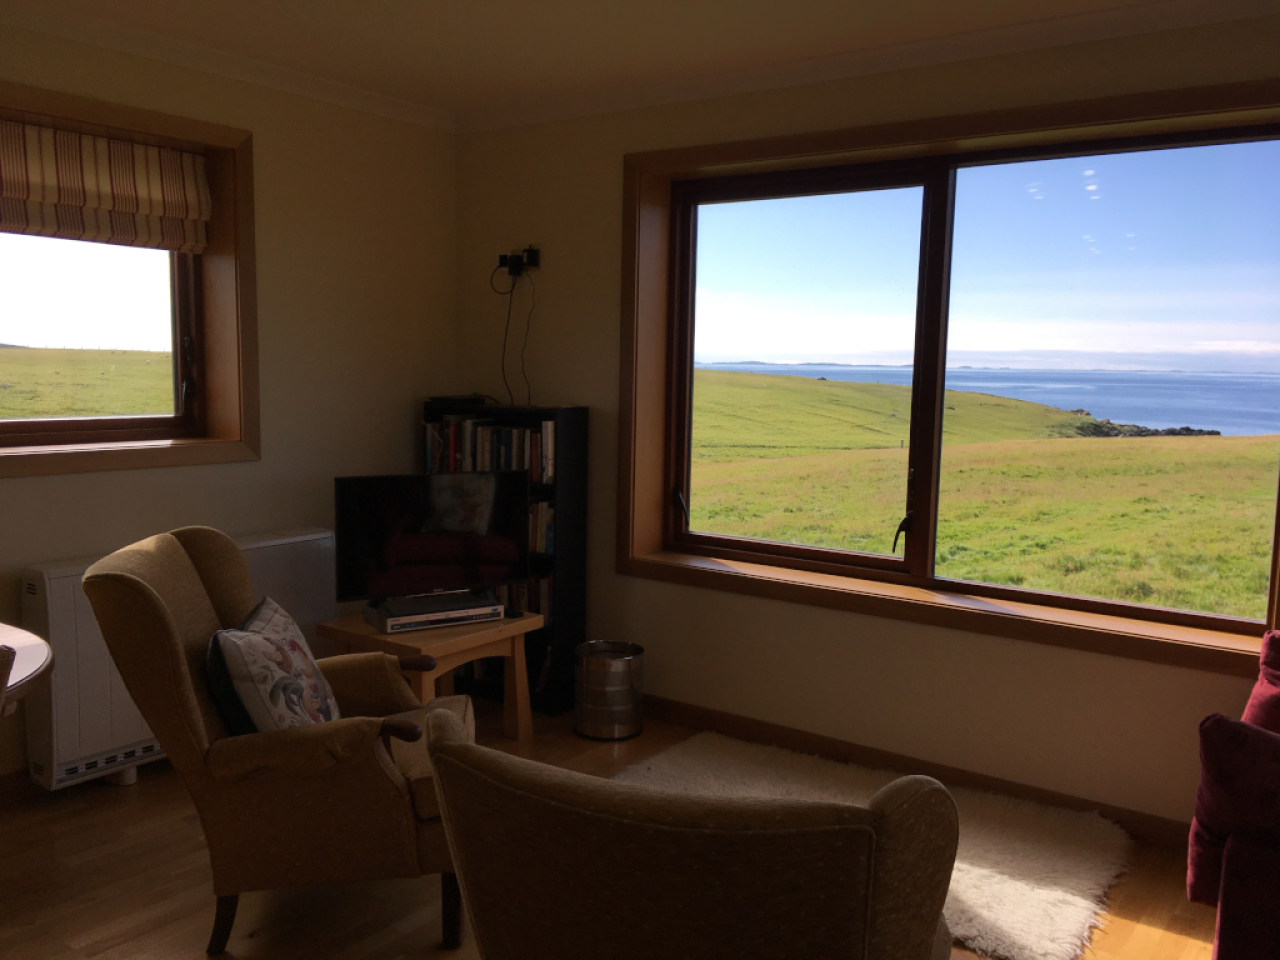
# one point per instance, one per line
(215, 304)
(659, 190)
(926, 391)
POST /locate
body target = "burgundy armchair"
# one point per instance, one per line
(1233, 855)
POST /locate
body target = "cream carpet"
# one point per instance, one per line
(1029, 880)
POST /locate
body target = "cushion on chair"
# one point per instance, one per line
(223, 691)
(1239, 793)
(272, 672)
(1263, 708)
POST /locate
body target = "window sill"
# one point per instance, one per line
(90, 457)
(1209, 650)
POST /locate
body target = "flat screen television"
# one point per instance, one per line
(402, 536)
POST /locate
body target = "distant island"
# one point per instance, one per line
(807, 363)
(1105, 428)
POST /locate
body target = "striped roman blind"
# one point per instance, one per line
(55, 183)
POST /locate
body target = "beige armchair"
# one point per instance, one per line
(555, 864)
(351, 799)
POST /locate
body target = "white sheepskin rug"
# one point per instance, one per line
(1029, 880)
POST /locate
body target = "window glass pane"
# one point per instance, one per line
(1100, 305)
(86, 330)
(804, 332)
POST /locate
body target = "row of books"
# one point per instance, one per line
(461, 444)
(542, 519)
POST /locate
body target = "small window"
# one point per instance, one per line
(128, 333)
(93, 337)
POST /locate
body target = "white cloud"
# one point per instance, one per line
(736, 325)
(1268, 347)
(66, 293)
(987, 335)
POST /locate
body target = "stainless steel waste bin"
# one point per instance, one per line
(610, 677)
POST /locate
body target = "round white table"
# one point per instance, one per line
(33, 662)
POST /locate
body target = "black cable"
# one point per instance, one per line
(501, 293)
(528, 322)
(511, 397)
(506, 330)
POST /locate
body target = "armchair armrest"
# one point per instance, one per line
(368, 684)
(298, 751)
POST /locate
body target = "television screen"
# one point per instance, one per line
(400, 536)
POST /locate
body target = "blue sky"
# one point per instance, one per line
(1165, 259)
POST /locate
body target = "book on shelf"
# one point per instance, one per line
(542, 519)
(548, 451)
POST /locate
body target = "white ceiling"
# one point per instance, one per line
(476, 64)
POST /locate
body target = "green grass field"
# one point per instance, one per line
(1181, 522)
(39, 384)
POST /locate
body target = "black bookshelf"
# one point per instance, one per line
(466, 434)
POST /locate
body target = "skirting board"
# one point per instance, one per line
(1146, 827)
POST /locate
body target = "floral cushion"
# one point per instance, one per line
(273, 673)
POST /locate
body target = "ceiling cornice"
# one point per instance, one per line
(1152, 17)
(140, 43)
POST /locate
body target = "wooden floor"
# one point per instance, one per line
(97, 871)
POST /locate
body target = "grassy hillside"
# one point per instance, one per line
(38, 383)
(1181, 522)
(745, 416)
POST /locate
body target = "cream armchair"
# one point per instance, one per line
(555, 864)
(352, 799)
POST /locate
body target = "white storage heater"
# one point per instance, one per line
(83, 724)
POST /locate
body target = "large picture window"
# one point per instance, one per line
(1047, 374)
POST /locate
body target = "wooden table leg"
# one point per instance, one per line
(444, 684)
(518, 718)
(419, 684)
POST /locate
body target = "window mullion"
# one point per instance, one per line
(683, 273)
(1273, 586)
(928, 377)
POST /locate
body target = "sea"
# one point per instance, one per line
(1235, 404)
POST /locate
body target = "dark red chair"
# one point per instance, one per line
(1233, 855)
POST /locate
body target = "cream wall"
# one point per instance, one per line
(383, 296)
(1112, 730)
(355, 256)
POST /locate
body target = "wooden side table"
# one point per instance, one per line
(452, 647)
(34, 660)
